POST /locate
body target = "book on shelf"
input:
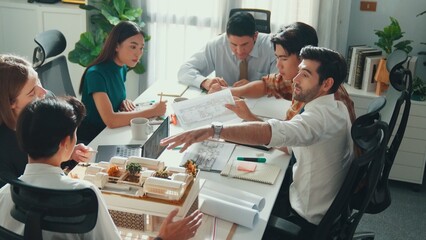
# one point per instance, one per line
(353, 63)
(348, 59)
(370, 67)
(359, 67)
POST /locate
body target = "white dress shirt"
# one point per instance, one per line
(217, 56)
(321, 141)
(48, 176)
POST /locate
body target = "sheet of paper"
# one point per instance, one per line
(267, 107)
(209, 155)
(196, 112)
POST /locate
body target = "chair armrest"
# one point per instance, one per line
(284, 226)
(363, 236)
(7, 234)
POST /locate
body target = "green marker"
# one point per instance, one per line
(252, 159)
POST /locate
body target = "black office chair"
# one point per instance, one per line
(398, 97)
(54, 75)
(341, 220)
(63, 211)
(261, 17)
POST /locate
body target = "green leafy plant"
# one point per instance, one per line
(108, 14)
(389, 35)
(133, 168)
(419, 89)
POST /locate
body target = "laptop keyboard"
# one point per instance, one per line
(127, 152)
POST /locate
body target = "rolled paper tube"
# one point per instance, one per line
(241, 194)
(228, 211)
(228, 198)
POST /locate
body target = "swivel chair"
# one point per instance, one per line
(54, 75)
(63, 211)
(398, 98)
(261, 17)
(341, 219)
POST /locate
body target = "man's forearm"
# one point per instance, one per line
(253, 133)
(255, 89)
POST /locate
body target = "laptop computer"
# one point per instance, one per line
(150, 149)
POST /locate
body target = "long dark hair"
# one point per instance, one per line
(118, 34)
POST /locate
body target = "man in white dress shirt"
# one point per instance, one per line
(319, 136)
(224, 53)
(46, 130)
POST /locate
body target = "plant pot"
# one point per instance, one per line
(417, 97)
(381, 77)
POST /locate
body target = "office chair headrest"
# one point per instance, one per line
(50, 43)
(396, 71)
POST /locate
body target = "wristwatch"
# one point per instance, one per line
(217, 128)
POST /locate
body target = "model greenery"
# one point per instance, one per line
(109, 13)
(134, 168)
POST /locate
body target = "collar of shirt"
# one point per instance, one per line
(322, 100)
(42, 169)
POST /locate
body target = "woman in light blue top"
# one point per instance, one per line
(102, 84)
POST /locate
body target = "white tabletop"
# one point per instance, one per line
(172, 157)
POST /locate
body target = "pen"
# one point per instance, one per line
(161, 96)
(145, 103)
(252, 159)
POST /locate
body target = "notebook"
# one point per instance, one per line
(150, 149)
(264, 173)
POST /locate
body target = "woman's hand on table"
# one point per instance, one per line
(127, 106)
(181, 229)
(159, 109)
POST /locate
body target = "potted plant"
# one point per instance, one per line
(419, 89)
(387, 37)
(108, 14)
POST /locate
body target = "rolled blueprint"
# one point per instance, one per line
(258, 201)
(229, 211)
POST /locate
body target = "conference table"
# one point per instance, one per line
(266, 106)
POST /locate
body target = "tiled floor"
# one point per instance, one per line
(405, 219)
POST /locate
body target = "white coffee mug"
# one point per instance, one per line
(140, 128)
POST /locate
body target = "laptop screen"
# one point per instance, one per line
(152, 147)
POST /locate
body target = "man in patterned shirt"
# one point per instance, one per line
(287, 45)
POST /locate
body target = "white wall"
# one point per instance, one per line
(362, 24)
